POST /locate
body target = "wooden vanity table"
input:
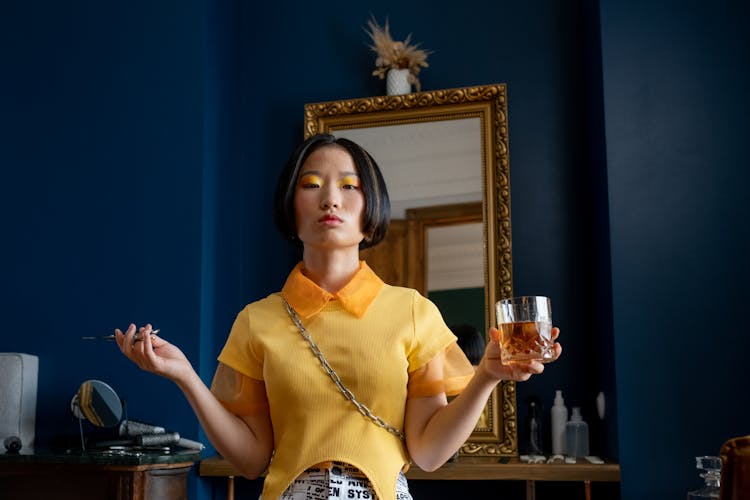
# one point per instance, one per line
(469, 468)
(96, 475)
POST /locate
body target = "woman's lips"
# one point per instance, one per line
(330, 220)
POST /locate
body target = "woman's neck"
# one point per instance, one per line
(331, 270)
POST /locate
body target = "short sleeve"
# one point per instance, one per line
(431, 334)
(239, 393)
(449, 372)
(239, 352)
(436, 363)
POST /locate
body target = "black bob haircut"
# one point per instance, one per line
(377, 213)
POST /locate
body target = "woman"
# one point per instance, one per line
(274, 402)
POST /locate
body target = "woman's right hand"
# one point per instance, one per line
(153, 354)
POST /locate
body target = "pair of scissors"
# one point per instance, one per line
(112, 337)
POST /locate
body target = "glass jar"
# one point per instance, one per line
(711, 477)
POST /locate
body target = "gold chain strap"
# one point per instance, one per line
(364, 410)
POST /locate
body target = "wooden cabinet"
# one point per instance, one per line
(61, 480)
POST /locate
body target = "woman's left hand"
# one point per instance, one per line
(153, 354)
(519, 371)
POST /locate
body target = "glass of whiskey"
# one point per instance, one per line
(525, 325)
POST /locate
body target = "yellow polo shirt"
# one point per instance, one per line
(380, 339)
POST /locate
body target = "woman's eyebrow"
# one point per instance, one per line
(318, 173)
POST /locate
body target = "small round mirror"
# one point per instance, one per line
(98, 403)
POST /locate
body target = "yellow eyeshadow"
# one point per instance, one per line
(311, 179)
(349, 180)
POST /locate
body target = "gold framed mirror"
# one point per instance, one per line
(444, 156)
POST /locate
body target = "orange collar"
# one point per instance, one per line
(308, 299)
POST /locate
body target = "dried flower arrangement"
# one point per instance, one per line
(396, 55)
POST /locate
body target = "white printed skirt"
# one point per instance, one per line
(339, 481)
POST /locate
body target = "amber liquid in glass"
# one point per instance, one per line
(525, 340)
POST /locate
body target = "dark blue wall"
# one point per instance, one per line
(676, 76)
(102, 186)
(101, 147)
(138, 145)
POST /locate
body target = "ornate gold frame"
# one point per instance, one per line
(489, 104)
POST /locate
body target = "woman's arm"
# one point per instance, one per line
(435, 429)
(247, 442)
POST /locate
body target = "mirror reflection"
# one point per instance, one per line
(97, 402)
(455, 274)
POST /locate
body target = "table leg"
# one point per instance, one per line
(230, 488)
(530, 489)
(587, 487)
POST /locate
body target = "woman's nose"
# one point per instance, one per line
(328, 202)
(330, 198)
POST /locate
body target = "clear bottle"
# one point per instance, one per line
(533, 427)
(576, 435)
(711, 477)
(559, 417)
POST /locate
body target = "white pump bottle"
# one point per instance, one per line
(559, 420)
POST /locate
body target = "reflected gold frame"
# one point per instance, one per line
(489, 104)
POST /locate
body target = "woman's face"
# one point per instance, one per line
(328, 200)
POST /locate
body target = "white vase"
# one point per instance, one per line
(397, 82)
